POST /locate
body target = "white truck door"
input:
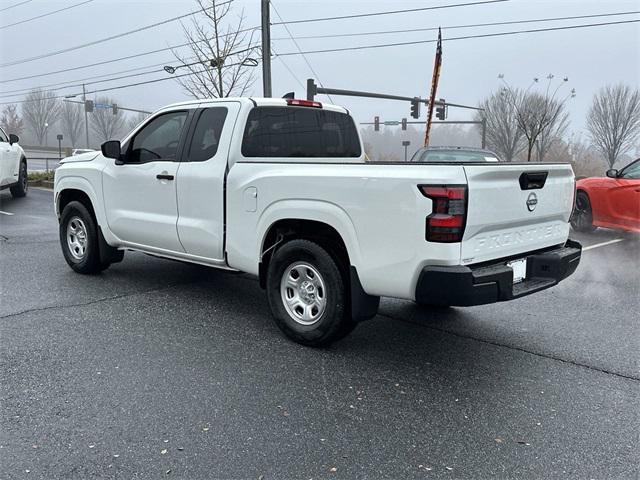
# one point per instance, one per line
(140, 193)
(200, 186)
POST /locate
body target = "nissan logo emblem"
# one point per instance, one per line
(532, 201)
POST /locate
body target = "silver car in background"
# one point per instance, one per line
(454, 155)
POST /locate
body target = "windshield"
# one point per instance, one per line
(456, 156)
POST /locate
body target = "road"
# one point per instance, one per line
(160, 369)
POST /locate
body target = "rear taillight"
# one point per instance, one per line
(447, 220)
(294, 102)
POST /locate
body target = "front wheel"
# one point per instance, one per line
(21, 188)
(582, 217)
(307, 294)
(79, 239)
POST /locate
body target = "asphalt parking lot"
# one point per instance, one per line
(159, 369)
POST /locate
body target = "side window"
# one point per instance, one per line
(206, 135)
(3, 136)
(158, 139)
(632, 171)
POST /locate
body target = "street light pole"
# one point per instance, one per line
(266, 49)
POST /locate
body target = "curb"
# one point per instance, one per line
(41, 183)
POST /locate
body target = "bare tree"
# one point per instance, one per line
(553, 133)
(104, 123)
(537, 112)
(613, 121)
(40, 110)
(71, 120)
(11, 121)
(502, 133)
(220, 63)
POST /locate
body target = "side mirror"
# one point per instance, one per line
(612, 173)
(13, 139)
(111, 149)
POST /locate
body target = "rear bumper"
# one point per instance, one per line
(466, 286)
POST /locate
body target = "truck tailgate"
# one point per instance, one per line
(514, 209)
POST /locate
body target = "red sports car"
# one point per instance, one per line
(610, 202)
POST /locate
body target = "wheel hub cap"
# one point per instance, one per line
(303, 293)
(77, 238)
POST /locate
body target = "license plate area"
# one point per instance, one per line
(519, 268)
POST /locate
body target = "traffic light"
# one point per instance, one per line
(415, 107)
(114, 108)
(404, 124)
(88, 106)
(441, 110)
(376, 123)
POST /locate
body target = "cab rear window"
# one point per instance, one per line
(299, 132)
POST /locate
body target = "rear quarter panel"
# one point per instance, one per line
(377, 209)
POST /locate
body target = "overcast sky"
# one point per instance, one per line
(589, 57)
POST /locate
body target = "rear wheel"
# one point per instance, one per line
(21, 188)
(582, 218)
(307, 294)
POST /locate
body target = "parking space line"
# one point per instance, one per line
(6, 213)
(603, 244)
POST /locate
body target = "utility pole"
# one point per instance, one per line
(266, 49)
(86, 116)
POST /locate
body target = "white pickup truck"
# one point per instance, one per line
(281, 189)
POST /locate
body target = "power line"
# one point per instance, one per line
(389, 12)
(104, 62)
(78, 82)
(106, 39)
(171, 47)
(365, 47)
(299, 49)
(288, 69)
(45, 14)
(119, 87)
(81, 81)
(451, 27)
(15, 5)
(485, 35)
(119, 59)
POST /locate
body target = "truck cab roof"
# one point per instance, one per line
(259, 102)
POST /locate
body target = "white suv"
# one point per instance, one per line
(13, 165)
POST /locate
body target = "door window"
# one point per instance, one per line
(158, 139)
(3, 136)
(206, 136)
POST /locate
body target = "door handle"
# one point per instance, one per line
(164, 176)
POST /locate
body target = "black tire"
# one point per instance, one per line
(21, 188)
(582, 217)
(87, 260)
(333, 321)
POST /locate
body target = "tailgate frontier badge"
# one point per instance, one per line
(532, 201)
